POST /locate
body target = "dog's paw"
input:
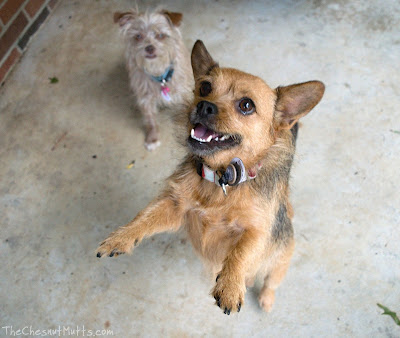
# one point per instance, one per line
(229, 294)
(266, 299)
(114, 246)
(150, 146)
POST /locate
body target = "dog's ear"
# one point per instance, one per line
(124, 18)
(202, 62)
(296, 101)
(174, 18)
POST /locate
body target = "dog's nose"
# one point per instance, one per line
(150, 49)
(205, 109)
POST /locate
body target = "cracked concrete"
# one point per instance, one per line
(64, 184)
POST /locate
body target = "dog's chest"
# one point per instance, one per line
(213, 231)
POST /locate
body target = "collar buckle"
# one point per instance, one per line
(234, 174)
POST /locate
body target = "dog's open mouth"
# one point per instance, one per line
(205, 140)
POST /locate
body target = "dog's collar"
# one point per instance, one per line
(163, 80)
(164, 77)
(234, 174)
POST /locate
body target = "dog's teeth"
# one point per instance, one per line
(209, 138)
(198, 139)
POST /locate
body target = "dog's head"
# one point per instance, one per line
(235, 114)
(151, 37)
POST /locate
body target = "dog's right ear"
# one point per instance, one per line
(296, 101)
(174, 18)
(124, 18)
(202, 62)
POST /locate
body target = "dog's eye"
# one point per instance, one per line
(246, 106)
(205, 88)
(138, 37)
(160, 36)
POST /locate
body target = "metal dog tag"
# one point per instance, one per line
(224, 189)
(165, 91)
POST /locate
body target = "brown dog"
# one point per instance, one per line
(231, 191)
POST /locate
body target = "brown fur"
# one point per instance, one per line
(248, 231)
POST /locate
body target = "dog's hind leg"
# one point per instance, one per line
(275, 275)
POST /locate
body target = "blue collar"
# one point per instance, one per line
(166, 76)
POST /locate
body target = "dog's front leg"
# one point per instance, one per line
(163, 214)
(230, 284)
(148, 108)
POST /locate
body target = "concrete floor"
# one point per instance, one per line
(64, 184)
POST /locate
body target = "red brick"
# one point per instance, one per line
(33, 6)
(52, 3)
(12, 34)
(8, 63)
(9, 9)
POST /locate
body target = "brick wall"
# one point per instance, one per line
(19, 21)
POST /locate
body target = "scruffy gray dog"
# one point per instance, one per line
(158, 63)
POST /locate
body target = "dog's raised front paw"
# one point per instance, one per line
(114, 246)
(229, 294)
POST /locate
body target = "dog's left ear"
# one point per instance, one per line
(296, 101)
(124, 18)
(174, 18)
(202, 62)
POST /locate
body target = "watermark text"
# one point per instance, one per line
(60, 331)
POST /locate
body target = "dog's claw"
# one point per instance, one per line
(216, 280)
(115, 253)
(217, 300)
(99, 255)
(239, 307)
(227, 311)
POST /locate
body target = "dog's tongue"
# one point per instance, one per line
(200, 130)
(203, 132)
